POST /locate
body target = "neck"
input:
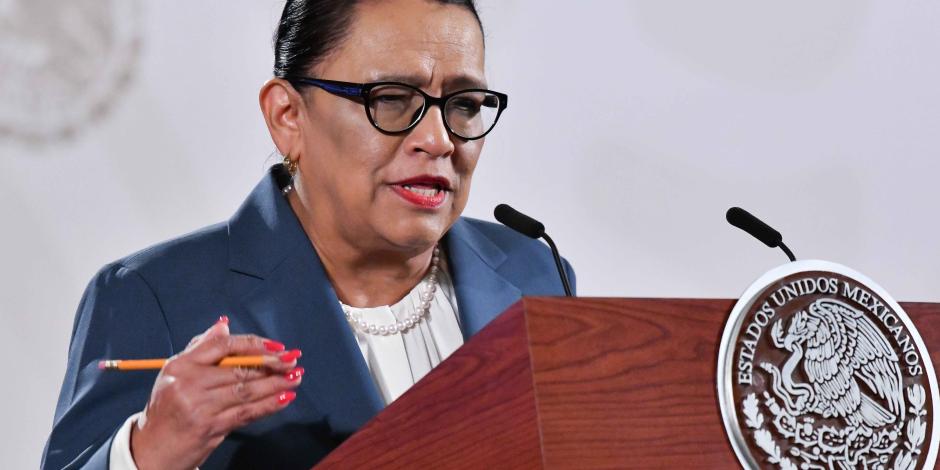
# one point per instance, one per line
(362, 276)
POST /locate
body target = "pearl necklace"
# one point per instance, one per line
(414, 319)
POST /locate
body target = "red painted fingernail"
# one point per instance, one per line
(295, 374)
(223, 319)
(273, 346)
(290, 355)
(286, 397)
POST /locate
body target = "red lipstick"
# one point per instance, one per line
(425, 191)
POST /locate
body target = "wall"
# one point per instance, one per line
(632, 127)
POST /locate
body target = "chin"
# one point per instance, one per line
(409, 233)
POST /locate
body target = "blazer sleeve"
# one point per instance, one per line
(119, 317)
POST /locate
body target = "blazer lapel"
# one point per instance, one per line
(283, 292)
(482, 293)
(280, 283)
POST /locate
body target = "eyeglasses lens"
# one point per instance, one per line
(472, 113)
(395, 108)
(469, 115)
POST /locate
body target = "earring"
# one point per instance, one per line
(290, 164)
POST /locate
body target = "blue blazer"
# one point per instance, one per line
(261, 270)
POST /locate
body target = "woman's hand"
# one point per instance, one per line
(195, 404)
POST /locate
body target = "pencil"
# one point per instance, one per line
(147, 364)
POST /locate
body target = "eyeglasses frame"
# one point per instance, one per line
(362, 91)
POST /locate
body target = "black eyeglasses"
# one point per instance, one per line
(394, 107)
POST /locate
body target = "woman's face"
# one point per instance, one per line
(380, 191)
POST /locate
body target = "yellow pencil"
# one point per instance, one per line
(146, 364)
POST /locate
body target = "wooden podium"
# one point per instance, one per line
(572, 383)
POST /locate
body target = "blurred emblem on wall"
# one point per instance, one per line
(63, 64)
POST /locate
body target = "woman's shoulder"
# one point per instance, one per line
(525, 261)
(508, 240)
(500, 235)
(514, 245)
(198, 256)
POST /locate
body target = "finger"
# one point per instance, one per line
(241, 415)
(210, 349)
(241, 393)
(200, 377)
(211, 376)
(220, 327)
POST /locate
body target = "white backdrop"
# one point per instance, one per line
(632, 127)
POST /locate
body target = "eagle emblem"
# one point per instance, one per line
(818, 370)
(849, 365)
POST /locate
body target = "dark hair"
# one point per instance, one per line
(310, 29)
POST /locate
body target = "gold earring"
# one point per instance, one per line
(290, 164)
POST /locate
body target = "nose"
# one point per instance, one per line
(430, 137)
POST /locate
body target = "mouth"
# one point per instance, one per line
(424, 191)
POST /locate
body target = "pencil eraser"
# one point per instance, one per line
(101, 365)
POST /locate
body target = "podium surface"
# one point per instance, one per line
(572, 383)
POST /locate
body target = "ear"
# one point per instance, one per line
(283, 110)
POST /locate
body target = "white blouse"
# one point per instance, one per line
(396, 362)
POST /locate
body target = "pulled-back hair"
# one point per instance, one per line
(310, 30)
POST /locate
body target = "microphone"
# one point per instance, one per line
(744, 220)
(534, 229)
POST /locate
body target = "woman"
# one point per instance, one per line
(350, 259)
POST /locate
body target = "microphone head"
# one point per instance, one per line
(518, 221)
(743, 220)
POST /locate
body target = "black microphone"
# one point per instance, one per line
(744, 220)
(531, 228)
